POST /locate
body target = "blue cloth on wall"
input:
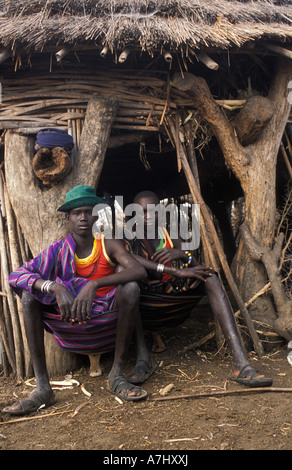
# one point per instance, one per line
(50, 138)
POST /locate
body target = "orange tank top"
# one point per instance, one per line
(96, 265)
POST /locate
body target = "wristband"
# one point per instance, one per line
(160, 268)
(46, 287)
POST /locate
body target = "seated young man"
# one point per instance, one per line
(75, 290)
(168, 294)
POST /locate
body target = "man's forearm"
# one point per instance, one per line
(152, 265)
(47, 286)
(122, 277)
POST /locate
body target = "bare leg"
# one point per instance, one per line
(34, 328)
(131, 292)
(127, 301)
(222, 311)
(142, 350)
(145, 366)
(95, 367)
(158, 344)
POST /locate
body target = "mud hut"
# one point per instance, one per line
(187, 98)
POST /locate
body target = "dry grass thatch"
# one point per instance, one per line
(147, 24)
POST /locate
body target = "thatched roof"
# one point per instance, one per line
(147, 24)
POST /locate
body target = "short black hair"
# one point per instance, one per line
(146, 194)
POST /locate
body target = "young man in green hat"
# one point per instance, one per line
(83, 290)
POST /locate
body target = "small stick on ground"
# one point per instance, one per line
(225, 392)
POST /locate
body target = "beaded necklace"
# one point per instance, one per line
(91, 260)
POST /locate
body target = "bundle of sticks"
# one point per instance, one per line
(14, 251)
(60, 100)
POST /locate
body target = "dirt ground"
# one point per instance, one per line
(245, 421)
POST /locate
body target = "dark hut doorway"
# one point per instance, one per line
(150, 164)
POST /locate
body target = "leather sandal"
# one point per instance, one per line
(141, 372)
(249, 377)
(31, 404)
(121, 388)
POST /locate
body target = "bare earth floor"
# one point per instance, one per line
(247, 421)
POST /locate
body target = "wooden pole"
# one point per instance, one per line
(21, 244)
(4, 341)
(6, 325)
(10, 299)
(286, 159)
(209, 255)
(280, 50)
(16, 262)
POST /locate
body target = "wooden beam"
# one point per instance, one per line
(280, 50)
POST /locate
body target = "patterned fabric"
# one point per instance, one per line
(160, 310)
(95, 336)
(57, 263)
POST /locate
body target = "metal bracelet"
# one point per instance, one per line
(160, 268)
(46, 286)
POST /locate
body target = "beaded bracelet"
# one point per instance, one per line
(189, 259)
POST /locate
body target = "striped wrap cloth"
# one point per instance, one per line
(57, 263)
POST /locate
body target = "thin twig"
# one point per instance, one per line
(224, 393)
(20, 420)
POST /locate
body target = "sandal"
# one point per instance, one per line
(121, 388)
(141, 372)
(31, 404)
(248, 376)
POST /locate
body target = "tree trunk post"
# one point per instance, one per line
(259, 186)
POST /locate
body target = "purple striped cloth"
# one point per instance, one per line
(57, 263)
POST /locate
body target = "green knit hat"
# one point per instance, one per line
(80, 196)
